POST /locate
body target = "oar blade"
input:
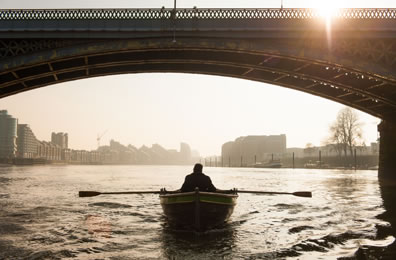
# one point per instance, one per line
(306, 194)
(88, 193)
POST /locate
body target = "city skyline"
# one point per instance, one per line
(19, 146)
(107, 137)
(203, 111)
(59, 139)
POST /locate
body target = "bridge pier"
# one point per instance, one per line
(387, 181)
(387, 153)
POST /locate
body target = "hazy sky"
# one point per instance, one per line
(203, 111)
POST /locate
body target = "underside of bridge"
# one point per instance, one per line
(352, 69)
(30, 64)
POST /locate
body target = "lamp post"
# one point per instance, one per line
(174, 21)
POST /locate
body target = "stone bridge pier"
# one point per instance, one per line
(387, 154)
(387, 181)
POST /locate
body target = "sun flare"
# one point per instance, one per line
(327, 9)
(327, 12)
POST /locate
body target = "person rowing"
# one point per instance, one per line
(197, 179)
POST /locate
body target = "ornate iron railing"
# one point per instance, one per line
(194, 13)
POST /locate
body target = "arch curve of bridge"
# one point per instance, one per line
(277, 62)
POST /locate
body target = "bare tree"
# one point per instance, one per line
(346, 131)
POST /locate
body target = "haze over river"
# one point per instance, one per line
(42, 217)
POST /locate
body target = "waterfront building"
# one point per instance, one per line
(27, 143)
(374, 147)
(8, 135)
(298, 152)
(49, 151)
(95, 157)
(332, 150)
(248, 150)
(60, 139)
(185, 153)
(66, 155)
(80, 157)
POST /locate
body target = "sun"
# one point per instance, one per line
(327, 9)
(327, 12)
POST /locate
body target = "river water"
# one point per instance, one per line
(42, 217)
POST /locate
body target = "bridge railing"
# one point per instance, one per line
(193, 13)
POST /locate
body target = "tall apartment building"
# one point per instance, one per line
(8, 135)
(26, 142)
(253, 149)
(185, 153)
(60, 139)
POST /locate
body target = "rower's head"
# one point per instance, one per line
(198, 168)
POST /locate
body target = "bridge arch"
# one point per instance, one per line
(278, 62)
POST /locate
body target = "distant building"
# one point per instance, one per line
(248, 150)
(298, 152)
(374, 147)
(49, 151)
(60, 139)
(80, 156)
(8, 135)
(330, 150)
(66, 155)
(27, 143)
(185, 153)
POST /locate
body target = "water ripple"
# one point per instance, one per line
(111, 205)
(41, 216)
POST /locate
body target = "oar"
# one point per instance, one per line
(96, 193)
(307, 194)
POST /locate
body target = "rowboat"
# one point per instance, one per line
(198, 210)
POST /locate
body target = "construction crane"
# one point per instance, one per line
(99, 137)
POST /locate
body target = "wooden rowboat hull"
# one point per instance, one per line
(198, 210)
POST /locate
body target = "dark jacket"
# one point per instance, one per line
(200, 180)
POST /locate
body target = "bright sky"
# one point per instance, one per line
(203, 111)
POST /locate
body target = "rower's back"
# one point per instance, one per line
(199, 180)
